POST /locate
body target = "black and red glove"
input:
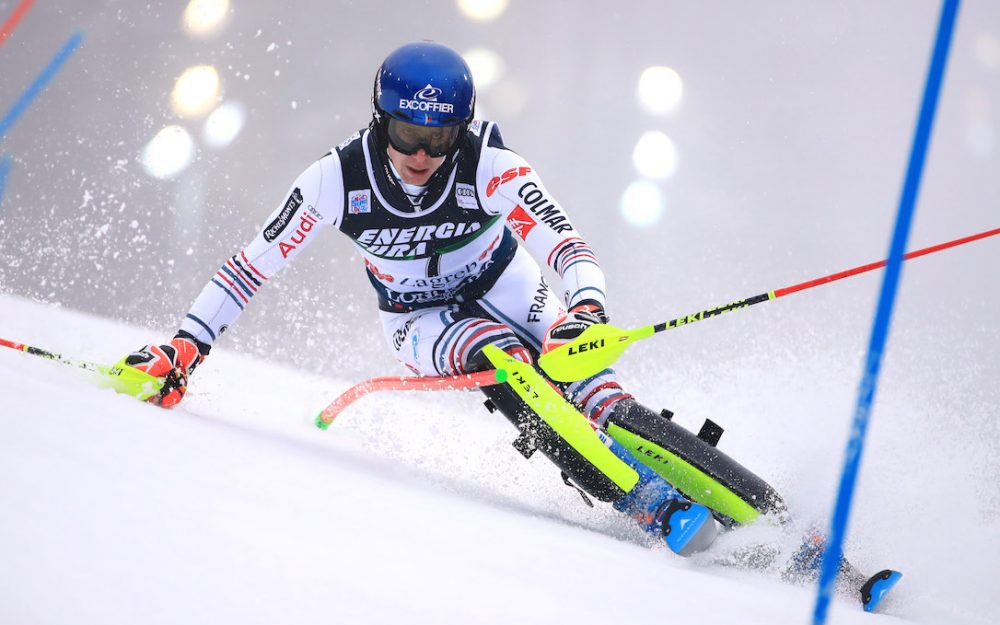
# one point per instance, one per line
(172, 364)
(572, 324)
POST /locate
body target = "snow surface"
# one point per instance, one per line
(412, 508)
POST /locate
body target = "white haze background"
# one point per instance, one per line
(792, 138)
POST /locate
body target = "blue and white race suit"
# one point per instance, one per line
(452, 273)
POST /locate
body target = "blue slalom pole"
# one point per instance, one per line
(883, 315)
(5, 164)
(40, 83)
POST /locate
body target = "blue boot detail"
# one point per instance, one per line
(877, 587)
(659, 508)
(688, 527)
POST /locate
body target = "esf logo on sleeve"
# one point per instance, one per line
(359, 202)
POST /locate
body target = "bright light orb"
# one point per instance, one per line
(205, 17)
(168, 153)
(655, 156)
(660, 90)
(224, 124)
(482, 10)
(487, 67)
(196, 92)
(643, 204)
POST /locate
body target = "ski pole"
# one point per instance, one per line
(120, 377)
(44, 353)
(600, 345)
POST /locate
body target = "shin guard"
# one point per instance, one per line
(550, 424)
(697, 469)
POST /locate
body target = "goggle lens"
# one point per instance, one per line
(435, 140)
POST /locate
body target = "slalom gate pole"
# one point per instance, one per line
(406, 383)
(5, 165)
(15, 18)
(883, 314)
(35, 88)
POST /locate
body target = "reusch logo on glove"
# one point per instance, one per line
(276, 227)
(570, 330)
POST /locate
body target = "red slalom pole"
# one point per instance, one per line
(863, 268)
(14, 19)
(802, 286)
(404, 383)
(600, 345)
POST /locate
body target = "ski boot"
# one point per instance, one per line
(659, 508)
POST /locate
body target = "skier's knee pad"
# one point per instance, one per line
(536, 434)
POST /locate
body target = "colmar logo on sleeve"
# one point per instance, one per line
(543, 208)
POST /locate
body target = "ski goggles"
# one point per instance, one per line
(435, 140)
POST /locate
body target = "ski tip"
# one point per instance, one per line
(877, 587)
(320, 423)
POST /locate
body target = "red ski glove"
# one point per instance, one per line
(172, 364)
(572, 324)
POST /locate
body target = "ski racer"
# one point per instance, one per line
(447, 219)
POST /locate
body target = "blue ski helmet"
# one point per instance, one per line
(424, 84)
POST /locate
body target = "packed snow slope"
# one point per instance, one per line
(233, 508)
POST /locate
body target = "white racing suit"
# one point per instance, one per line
(449, 275)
